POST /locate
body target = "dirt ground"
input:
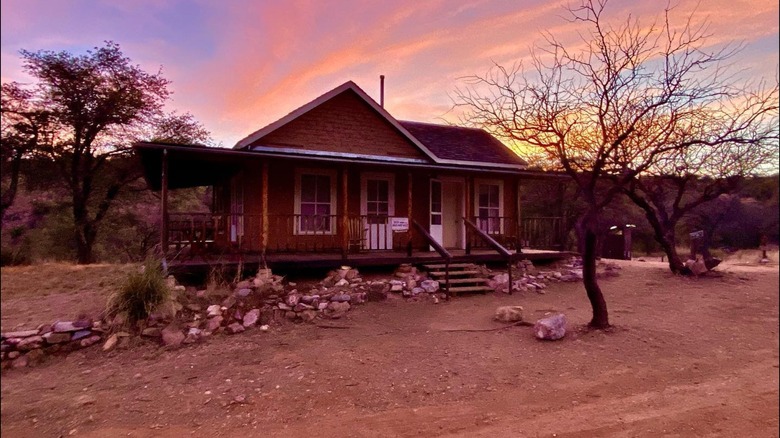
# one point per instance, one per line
(686, 357)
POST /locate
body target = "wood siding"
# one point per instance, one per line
(345, 123)
(281, 201)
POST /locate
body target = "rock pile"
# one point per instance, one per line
(193, 314)
(331, 298)
(265, 299)
(412, 284)
(526, 277)
(28, 347)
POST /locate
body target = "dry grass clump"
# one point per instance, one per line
(142, 292)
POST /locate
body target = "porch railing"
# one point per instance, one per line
(209, 232)
(542, 233)
(503, 229)
(307, 233)
(485, 237)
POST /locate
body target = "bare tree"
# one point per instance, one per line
(683, 180)
(607, 108)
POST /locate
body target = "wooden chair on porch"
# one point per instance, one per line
(356, 232)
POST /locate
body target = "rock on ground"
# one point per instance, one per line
(172, 336)
(551, 328)
(251, 317)
(235, 328)
(509, 314)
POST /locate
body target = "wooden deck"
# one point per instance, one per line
(303, 261)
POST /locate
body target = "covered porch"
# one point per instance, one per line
(393, 211)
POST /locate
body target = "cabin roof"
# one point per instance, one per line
(458, 144)
(441, 144)
(198, 165)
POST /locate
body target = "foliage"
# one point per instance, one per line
(14, 256)
(39, 225)
(739, 220)
(142, 292)
(21, 129)
(94, 106)
(179, 129)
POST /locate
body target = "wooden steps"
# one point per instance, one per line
(452, 266)
(463, 278)
(468, 280)
(483, 289)
(452, 273)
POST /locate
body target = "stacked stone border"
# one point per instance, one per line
(257, 303)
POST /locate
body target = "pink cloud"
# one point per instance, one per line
(238, 65)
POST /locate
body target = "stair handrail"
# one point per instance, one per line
(496, 246)
(439, 249)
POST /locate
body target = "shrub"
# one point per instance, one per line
(141, 294)
(14, 256)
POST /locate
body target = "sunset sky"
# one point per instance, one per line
(237, 65)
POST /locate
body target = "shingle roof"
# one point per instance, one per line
(461, 143)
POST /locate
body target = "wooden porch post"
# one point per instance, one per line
(344, 215)
(518, 215)
(469, 191)
(469, 208)
(164, 206)
(264, 213)
(409, 214)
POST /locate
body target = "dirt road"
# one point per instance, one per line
(687, 357)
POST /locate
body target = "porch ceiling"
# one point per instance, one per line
(194, 165)
(188, 166)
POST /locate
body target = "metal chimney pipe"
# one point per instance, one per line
(382, 91)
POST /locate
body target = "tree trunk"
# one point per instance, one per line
(669, 245)
(663, 233)
(588, 240)
(8, 196)
(85, 239)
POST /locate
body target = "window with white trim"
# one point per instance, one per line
(489, 207)
(377, 200)
(315, 206)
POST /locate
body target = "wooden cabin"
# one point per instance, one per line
(340, 178)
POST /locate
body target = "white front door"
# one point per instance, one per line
(452, 214)
(377, 206)
(447, 210)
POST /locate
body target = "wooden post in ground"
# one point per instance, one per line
(344, 215)
(264, 214)
(164, 206)
(509, 271)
